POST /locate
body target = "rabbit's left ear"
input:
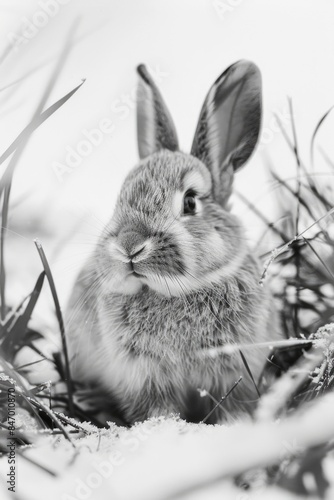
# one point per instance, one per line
(155, 127)
(229, 125)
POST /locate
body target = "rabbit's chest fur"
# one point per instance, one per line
(165, 329)
(147, 346)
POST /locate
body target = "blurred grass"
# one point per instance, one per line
(14, 324)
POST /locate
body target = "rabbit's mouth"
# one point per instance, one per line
(133, 271)
(137, 275)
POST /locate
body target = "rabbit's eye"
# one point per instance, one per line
(189, 203)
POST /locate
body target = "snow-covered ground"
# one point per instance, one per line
(171, 459)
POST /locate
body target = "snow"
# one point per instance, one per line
(165, 458)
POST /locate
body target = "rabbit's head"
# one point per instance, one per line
(172, 230)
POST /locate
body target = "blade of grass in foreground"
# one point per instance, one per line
(282, 248)
(249, 371)
(21, 384)
(41, 406)
(18, 329)
(261, 216)
(60, 322)
(222, 400)
(320, 259)
(316, 130)
(297, 256)
(39, 115)
(213, 352)
(37, 464)
(5, 181)
(30, 128)
(18, 146)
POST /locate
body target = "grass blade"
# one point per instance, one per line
(41, 406)
(320, 259)
(37, 464)
(222, 400)
(48, 272)
(261, 216)
(30, 128)
(5, 182)
(15, 335)
(4, 223)
(279, 250)
(296, 247)
(316, 130)
(249, 371)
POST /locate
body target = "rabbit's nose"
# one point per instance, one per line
(133, 243)
(136, 252)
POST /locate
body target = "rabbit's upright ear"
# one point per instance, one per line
(155, 127)
(229, 125)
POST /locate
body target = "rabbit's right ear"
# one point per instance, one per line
(155, 127)
(229, 125)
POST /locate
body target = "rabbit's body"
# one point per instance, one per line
(151, 362)
(172, 277)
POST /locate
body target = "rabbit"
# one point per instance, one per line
(172, 276)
